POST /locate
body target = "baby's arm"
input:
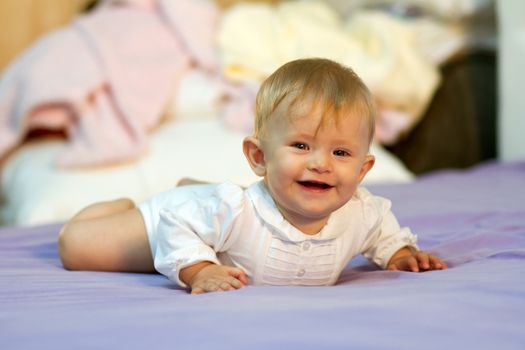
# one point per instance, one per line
(408, 259)
(393, 247)
(186, 252)
(206, 277)
(192, 233)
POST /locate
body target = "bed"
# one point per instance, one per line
(474, 219)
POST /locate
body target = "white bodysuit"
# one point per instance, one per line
(227, 225)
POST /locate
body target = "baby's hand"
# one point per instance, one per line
(416, 262)
(214, 278)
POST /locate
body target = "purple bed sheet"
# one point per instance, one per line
(474, 219)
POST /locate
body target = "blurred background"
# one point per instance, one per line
(445, 73)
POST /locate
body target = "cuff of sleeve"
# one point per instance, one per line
(184, 258)
(408, 240)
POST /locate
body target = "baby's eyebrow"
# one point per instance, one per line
(300, 134)
(346, 143)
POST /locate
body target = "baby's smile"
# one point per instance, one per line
(315, 186)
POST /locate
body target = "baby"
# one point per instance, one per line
(300, 225)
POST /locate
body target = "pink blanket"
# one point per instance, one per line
(106, 78)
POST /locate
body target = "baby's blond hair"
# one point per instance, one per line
(321, 80)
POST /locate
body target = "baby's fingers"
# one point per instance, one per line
(393, 267)
(230, 284)
(206, 286)
(217, 285)
(405, 264)
(411, 264)
(224, 286)
(423, 260)
(197, 290)
(238, 274)
(436, 263)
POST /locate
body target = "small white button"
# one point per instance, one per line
(301, 272)
(306, 245)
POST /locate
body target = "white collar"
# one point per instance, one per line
(266, 208)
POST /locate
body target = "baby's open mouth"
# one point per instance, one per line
(315, 185)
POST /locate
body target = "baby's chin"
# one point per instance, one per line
(308, 217)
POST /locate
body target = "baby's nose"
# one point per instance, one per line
(320, 162)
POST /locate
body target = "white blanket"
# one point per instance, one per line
(255, 39)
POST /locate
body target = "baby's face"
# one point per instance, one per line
(314, 168)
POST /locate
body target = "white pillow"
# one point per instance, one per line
(35, 191)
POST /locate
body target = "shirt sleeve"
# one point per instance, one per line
(196, 231)
(385, 236)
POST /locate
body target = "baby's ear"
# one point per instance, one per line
(255, 155)
(367, 165)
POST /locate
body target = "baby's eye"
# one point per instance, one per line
(341, 153)
(300, 145)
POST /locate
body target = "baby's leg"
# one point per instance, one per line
(106, 236)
